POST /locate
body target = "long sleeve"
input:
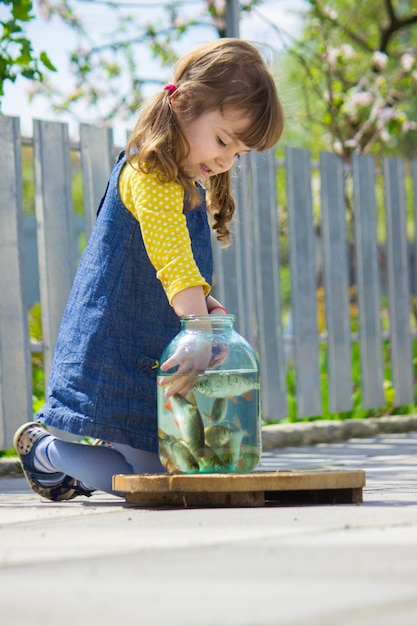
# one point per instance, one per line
(159, 209)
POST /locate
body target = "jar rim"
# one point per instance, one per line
(208, 316)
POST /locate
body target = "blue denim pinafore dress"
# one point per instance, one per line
(116, 323)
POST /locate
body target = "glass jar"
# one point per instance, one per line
(216, 426)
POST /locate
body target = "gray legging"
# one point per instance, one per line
(95, 466)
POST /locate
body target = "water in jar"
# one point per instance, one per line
(214, 428)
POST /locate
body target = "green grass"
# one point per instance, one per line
(38, 376)
(357, 411)
(5, 454)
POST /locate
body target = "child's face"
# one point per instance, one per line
(214, 145)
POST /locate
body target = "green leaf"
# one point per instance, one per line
(47, 61)
(9, 28)
(23, 59)
(22, 9)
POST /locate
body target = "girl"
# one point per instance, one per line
(148, 262)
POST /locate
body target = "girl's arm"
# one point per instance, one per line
(190, 301)
(158, 207)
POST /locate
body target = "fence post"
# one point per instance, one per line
(414, 245)
(303, 281)
(398, 281)
(336, 282)
(15, 370)
(97, 161)
(370, 335)
(267, 285)
(55, 227)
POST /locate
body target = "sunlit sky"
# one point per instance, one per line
(56, 39)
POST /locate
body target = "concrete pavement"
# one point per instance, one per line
(97, 561)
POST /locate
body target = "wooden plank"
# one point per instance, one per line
(54, 217)
(254, 489)
(398, 281)
(267, 286)
(97, 160)
(366, 250)
(254, 481)
(335, 255)
(15, 359)
(303, 282)
(196, 499)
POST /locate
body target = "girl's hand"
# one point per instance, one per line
(215, 307)
(191, 361)
(220, 352)
(219, 355)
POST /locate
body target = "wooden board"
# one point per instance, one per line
(254, 489)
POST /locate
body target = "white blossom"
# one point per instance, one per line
(380, 59)
(361, 98)
(357, 99)
(407, 61)
(332, 55)
(386, 114)
(408, 125)
(384, 135)
(330, 12)
(347, 50)
(219, 6)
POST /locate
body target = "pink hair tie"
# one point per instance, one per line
(171, 88)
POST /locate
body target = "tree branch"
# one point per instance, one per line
(336, 24)
(394, 25)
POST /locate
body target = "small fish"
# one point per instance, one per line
(218, 410)
(217, 435)
(209, 461)
(164, 452)
(189, 421)
(183, 457)
(231, 450)
(249, 458)
(168, 463)
(162, 435)
(164, 443)
(176, 456)
(224, 385)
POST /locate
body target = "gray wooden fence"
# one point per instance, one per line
(324, 248)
